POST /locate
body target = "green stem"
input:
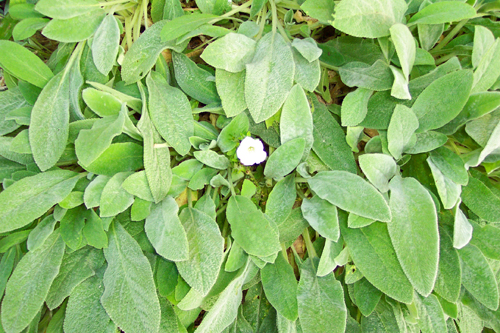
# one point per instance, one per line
(300, 180)
(145, 13)
(283, 251)
(289, 4)
(275, 16)
(111, 3)
(237, 9)
(309, 246)
(444, 58)
(262, 22)
(230, 180)
(451, 35)
(325, 65)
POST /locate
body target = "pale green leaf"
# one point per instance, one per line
(231, 89)
(320, 301)
(114, 198)
(170, 112)
(22, 63)
(285, 159)
(165, 231)
(401, 128)
(129, 285)
(280, 286)
(30, 283)
(351, 193)
(475, 268)
(443, 12)
(64, 9)
(105, 44)
(30, 197)
(355, 107)
(414, 232)
(443, 99)
(51, 107)
(373, 254)
(269, 77)
(405, 47)
(379, 169)
(322, 216)
(206, 250)
(250, 228)
(76, 267)
(371, 19)
(231, 52)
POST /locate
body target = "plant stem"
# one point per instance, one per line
(327, 66)
(309, 246)
(189, 198)
(450, 36)
(230, 180)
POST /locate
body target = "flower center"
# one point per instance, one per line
(251, 148)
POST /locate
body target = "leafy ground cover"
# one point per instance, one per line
(250, 166)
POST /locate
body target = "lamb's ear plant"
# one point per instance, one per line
(250, 166)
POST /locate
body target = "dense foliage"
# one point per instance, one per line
(250, 166)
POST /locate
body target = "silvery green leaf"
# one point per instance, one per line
(41, 232)
(322, 216)
(487, 70)
(450, 164)
(483, 41)
(307, 74)
(230, 135)
(320, 300)
(212, 159)
(129, 284)
(30, 283)
(376, 77)
(355, 106)
(165, 231)
(400, 88)
(141, 57)
(280, 286)
(370, 19)
(63, 9)
(379, 169)
(281, 200)
(74, 29)
(401, 128)
(365, 296)
(285, 159)
(431, 317)
(475, 268)
(462, 229)
(170, 113)
(30, 197)
(194, 80)
(114, 198)
(105, 44)
(448, 190)
(231, 52)
(251, 228)
(429, 34)
(76, 267)
(373, 254)
(449, 279)
(206, 250)
(405, 47)
(92, 194)
(297, 107)
(231, 89)
(329, 140)
(327, 261)
(269, 77)
(51, 106)
(156, 159)
(84, 311)
(225, 309)
(307, 48)
(91, 143)
(356, 221)
(351, 193)
(414, 232)
(442, 100)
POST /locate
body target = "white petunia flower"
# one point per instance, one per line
(251, 151)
